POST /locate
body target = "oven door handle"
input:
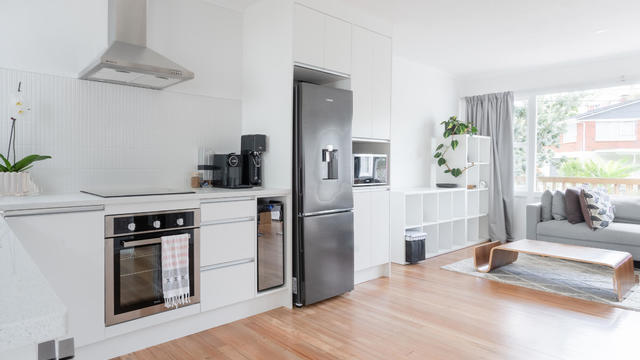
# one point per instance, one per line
(134, 243)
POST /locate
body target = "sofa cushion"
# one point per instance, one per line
(616, 233)
(546, 201)
(626, 208)
(557, 206)
(572, 205)
(596, 208)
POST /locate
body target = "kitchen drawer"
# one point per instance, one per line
(221, 209)
(226, 242)
(227, 285)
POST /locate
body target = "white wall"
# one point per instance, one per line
(267, 80)
(103, 134)
(423, 96)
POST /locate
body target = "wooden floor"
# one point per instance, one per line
(422, 312)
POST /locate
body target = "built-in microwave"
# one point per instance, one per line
(370, 169)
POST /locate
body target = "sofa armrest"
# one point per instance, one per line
(534, 216)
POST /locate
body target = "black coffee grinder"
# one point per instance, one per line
(252, 147)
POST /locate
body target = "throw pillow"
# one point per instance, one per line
(596, 208)
(557, 206)
(572, 206)
(546, 201)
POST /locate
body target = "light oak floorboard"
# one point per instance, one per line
(422, 312)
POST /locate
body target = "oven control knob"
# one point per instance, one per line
(180, 221)
(131, 226)
(156, 224)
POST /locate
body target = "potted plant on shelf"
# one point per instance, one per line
(14, 177)
(452, 127)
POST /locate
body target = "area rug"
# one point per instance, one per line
(568, 278)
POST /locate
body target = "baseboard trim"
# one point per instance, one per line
(372, 273)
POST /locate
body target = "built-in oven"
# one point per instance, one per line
(133, 261)
(370, 169)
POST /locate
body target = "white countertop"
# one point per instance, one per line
(30, 311)
(44, 201)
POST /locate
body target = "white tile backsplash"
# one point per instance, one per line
(111, 135)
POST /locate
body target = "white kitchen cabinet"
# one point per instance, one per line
(371, 228)
(227, 285)
(379, 227)
(361, 230)
(371, 84)
(381, 87)
(67, 244)
(361, 82)
(308, 36)
(228, 241)
(337, 45)
(321, 40)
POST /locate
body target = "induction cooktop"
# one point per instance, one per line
(112, 193)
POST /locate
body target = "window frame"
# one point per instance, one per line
(532, 115)
(618, 137)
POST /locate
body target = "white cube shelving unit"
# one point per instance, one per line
(452, 218)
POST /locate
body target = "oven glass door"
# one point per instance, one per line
(137, 274)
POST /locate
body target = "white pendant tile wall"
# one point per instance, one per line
(112, 135)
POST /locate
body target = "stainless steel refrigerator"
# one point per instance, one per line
(323, 198)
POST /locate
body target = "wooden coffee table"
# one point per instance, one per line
(493, 255)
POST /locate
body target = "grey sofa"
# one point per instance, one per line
(622, 234)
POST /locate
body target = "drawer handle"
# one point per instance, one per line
(52, 211)
(227, 221)
(226, 265)
(223, 200)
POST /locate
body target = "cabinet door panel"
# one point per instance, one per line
(227, 242)
(361, 81)
(381, 87)
(379, 227)
(362, 231)
(308, 36)
(337, 45)
(226, 286)
(69, 250)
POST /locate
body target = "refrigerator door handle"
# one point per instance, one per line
(326, 212)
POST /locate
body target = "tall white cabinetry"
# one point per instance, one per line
(452, 218)
(321, 41)
(371, 228)
(371, 84)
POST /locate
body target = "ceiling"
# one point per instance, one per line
(466, 37)
(238, 5)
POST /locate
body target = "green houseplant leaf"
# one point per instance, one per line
(21, 165)
(7, 164)
(453, 126)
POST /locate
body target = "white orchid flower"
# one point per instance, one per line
(18, 106)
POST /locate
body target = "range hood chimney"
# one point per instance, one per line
(128, 61)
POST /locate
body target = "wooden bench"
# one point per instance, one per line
(493, 255)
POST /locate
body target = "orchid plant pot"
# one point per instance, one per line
(17, 184)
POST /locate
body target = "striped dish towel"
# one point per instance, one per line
(175, 270)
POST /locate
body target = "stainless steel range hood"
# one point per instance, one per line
(128, 61)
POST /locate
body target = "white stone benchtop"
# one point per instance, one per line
(44, 201)
(30, 311)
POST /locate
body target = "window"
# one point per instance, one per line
(615, 131)
(521, 107)
(571, 135)
(569, 138)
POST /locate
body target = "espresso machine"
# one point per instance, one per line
(252, 147)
